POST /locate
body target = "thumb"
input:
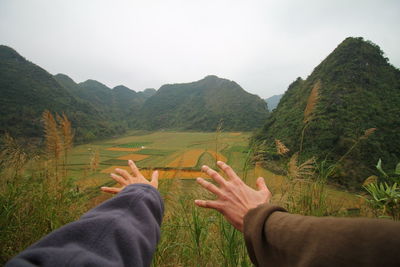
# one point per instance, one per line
(154, 179)
(261, 184)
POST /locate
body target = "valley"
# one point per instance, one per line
(320, 148)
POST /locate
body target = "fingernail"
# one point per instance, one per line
(117, 169)
(130, 161)
(220, 162)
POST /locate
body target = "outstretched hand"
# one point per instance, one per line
(234, 197)
(125, 179)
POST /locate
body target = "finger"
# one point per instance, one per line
(227, 170)
(261, 184)
(214, 175)
(112, 190)
(209, 186)
(125, 174)
(154, 179)
(207, 204)
(134, 168)
(119, 179)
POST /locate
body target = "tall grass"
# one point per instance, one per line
(36, 197)
(192, 236)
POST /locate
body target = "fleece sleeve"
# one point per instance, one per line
(276, 238)
(122, 231)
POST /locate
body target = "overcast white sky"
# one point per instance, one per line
(262, 45)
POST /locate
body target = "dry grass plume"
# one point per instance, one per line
(298, 171)
(312, 101)
(281, 149)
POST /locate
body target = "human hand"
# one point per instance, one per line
(234, 197)
(125, 179)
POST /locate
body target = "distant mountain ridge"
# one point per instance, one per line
(201, 105)
(26, 90)
(352, 90)
(114, 103)
(273, 101)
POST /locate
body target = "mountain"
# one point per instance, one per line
(26, 90)
(353, 89)
(273, 101)
(113, 103)
(95, 110)
(146, 93)
(201, 105)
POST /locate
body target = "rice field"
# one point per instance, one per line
(187, 159)
(177, 155)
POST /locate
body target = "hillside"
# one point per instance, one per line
(26, 90)
(273, 101)
(113, 103)
(357, 89)
(201, 105)
(95, 110)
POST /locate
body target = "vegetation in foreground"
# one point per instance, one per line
(41, 193)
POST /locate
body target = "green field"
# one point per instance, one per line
(161, 148)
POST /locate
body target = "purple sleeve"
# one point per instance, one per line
(122, 231)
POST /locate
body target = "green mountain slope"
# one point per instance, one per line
(358, 89)
(115, 104)
(146, 93)
(201, 105)
(26, 90)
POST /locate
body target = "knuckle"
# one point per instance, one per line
(223, 197)
(237, 181)
(208, 185)
(226, 167)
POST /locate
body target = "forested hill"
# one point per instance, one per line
(201, 106)
(26, 90)
(353, 89)
(115, 103)
(96, 111)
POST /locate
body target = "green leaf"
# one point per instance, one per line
(379, 168)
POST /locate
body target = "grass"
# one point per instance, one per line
(31, 201)
(134, 144)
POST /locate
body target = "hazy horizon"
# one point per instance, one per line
(261, 45)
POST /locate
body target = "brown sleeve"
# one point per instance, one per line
(276, 238)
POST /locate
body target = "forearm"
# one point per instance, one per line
(122, 231)
(284, 239)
